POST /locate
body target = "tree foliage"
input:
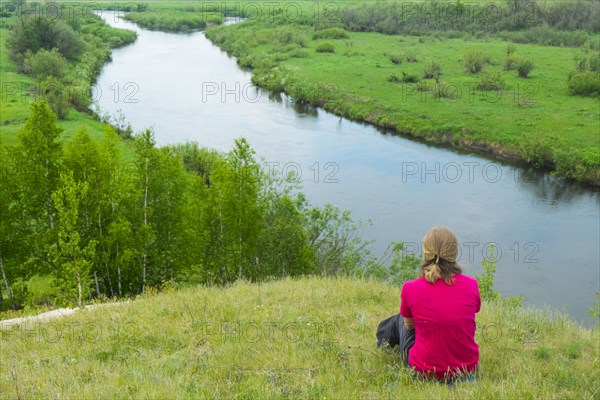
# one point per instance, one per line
(104, 225)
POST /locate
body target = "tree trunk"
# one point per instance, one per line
(6, 285)
(144, 276)
(79, 294)
(97, 286)
(108, 279)
(119, 273)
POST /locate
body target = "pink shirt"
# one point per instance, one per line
(444, 324)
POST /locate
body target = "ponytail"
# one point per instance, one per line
(432, 272)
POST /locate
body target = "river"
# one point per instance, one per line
(546, 230)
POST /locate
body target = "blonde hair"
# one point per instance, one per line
(440, 251)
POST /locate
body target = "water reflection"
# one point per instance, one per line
(551, 189)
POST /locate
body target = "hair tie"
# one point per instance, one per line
(437, 259)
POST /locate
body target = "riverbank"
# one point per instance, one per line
(305, 338)
(379, 79)
(74, 93)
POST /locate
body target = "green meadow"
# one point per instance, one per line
(303, 338)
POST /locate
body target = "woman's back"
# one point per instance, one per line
(444, 322)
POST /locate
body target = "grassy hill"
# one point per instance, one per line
(301, 338)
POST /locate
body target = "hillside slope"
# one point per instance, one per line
(301, 338)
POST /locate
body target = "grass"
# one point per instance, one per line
(303, 338)
(353, 82)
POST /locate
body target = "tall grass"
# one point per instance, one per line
(295, 338)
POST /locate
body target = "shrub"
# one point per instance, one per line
(511, 61)
(325, 48)
(584, 84)
(411, 57)
(510, 50)
(537, 150)
(45, 63)
(288, 36)
(581, 62)
(395, 59)
(37, 33)
(432, 70)
(491, 81)
(406, 78)
(475, 60)
(595, 63)
(298, 54)
(422, 87)
(54, 92)
(524, 67)
(331, 33)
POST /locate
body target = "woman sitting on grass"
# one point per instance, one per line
(436, 326)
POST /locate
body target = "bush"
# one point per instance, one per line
(411, 57)
(45, 63)
(491, 81)
(54, 92)
(537, 150)
(406, 78)
(511, 61)
(422, 87)
(331, 33)
(433, 70)
(510, 50)
(395, 59)
(594, 63)
(584, 84)
(475, 60)
(524, 67)
(580, 62)
(325, 48)
(288, 36)
(37, 33)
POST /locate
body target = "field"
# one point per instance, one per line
(304, 338)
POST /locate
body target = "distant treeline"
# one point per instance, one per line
(104, 224)
(524, 21)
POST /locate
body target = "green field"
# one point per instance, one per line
(305, 338)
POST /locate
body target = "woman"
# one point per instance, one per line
(436, 326)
